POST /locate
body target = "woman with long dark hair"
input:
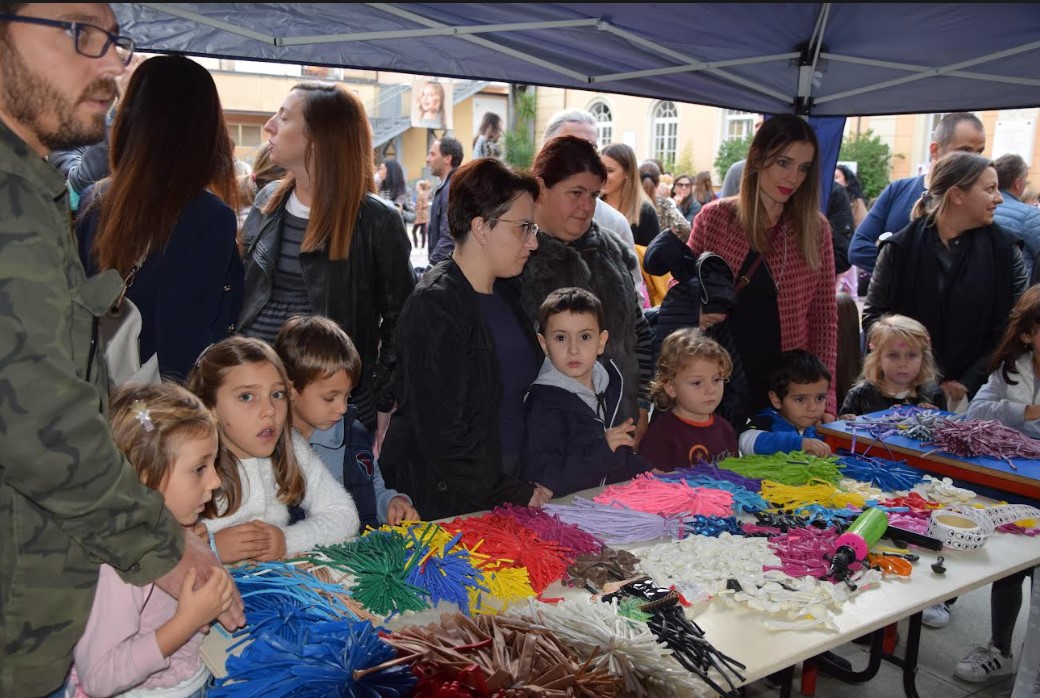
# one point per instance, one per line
(393, 188)
(321, 241)
(165, 217)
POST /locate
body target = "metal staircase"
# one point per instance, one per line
(390, 114)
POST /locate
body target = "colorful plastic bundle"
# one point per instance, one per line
(976, 437)
(744, 499)
(500, 588)
(490, 654)
(649, 494)
(820, 492)
(283, 601)
(794, 468)
(551, 528)
(380, 562)
(617, 525)
(888, 475)
(909, 421)
(713, 526)
(508, 543)
(328, 659)
(801, 551)
(448, 576)
(710, 471)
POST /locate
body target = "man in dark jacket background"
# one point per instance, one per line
(444, 158)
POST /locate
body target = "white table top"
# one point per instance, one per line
(740, 632)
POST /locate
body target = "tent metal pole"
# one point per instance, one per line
(442, 30)
(207, 21)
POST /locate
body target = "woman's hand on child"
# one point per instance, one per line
(621, 435)
(241, 542)
(400, 509)
(1032, 412)
(199, 607)
(706, 320)
(955, 391)
(816, 448)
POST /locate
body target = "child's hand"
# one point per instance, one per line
(275, 537)
(400, 509)
(201, 531)
(621, 435)
(542, 494)
(196, 608)
(241, 542)
(846, 417)
(955, 391)
(816, 447)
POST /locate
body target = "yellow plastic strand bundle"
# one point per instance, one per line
(504, 586)
(816, 491)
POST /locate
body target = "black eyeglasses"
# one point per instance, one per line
(682, 185)
(89, 40)
(528, 229)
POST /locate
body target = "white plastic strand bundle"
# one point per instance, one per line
(710, 562)
(625, 647)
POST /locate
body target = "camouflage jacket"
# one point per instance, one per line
(68, 499)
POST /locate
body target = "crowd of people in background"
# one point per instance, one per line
(579, 324)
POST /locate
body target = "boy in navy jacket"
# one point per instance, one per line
(798, 392)
(573, 441)
(323, 366)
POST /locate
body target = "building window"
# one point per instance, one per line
(666, 132)
(604, 124)
(246, 135)
(737, 125)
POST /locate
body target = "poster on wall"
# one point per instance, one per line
(431, 103)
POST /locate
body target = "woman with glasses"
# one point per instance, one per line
(467, 354)
(682, 194)
(321, 241)
(572, 251)
(166, 216)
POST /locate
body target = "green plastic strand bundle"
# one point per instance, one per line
(795, 468)
(380, 562)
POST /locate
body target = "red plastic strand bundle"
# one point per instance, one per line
(509, 544)
(914, 501)
(649, 494)
(552, 528)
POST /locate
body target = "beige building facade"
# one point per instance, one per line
(684, 136)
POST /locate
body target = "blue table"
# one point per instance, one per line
(1021, 476)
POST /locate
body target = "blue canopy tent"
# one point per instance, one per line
(816, 59)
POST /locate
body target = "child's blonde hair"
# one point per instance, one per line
(904, 328)
(150, 422)
(205, 379)
(679, 349)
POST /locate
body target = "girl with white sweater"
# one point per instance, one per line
(276, 496)
(1011, 396)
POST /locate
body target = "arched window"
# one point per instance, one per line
(604, 124)
(666, 132)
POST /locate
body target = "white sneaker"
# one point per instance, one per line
(984, 663)
(936, 616)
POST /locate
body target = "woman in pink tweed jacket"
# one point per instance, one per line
(773, 234)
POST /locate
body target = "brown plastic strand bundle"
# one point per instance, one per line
(595, 570)
(515, 657)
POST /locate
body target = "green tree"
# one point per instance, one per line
(519, 145)
(731, 151)
(873, 161)
(685, 162)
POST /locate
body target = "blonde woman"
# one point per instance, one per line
(624, 191)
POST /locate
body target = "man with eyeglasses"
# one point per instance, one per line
(68, 500)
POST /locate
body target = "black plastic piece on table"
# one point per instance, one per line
(902, 536)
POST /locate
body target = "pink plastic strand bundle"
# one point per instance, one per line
(616, 525)
(909, 521)
(647, 493)
(801, 551)
(551, 528)
(984, 437)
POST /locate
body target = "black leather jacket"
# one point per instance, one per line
(364, 293)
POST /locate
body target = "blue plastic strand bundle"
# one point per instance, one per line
(321, 664)
(886, 475)
(447, 578)
(283, 601)
(713, 526)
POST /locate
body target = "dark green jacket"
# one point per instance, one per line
(68, 499)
